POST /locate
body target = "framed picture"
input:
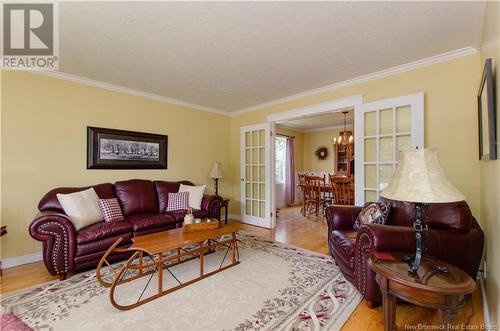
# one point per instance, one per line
(118, 149)
(487, 115)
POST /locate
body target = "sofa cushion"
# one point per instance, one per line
(454, 216)
(102, 244)
(402, 213)
(178, 201)
(373, 213)
(50, 201)
(111, 210)
(142, 222)
(81, 207)
(179, 214)
(137, 196)
(195, 194)
(88, 261)
(163, 188)
(344, 243)
(102, 230)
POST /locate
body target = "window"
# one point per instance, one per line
(280, 159)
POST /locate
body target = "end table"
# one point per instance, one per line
(427, 288)
(3, 231)
(225, 205)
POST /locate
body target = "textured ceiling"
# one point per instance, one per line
(320, 121)
(233, 55)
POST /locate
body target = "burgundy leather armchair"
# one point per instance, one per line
(454, 236)
(143, 203)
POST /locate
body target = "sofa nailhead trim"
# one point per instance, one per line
(57, 244)
(360, 265)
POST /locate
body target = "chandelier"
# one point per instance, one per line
(345, 137)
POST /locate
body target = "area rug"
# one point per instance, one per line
(275, 287)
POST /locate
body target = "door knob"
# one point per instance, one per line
(243, 179)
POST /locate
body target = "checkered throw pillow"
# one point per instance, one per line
(111, 209)
(373, 213)
(178, 201)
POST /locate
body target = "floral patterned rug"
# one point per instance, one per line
(275, 287)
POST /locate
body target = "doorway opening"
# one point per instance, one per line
(322, 147)
(381, 129)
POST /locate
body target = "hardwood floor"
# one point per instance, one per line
(293, 228)
(310, 234)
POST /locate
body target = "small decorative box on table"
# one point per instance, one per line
(202, 226)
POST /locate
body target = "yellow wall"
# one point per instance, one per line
(298, 145)
(450, 117)
(314, 140)
(43, 132)
(490, 171)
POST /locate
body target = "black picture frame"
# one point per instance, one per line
(486, 108)
(120, 149)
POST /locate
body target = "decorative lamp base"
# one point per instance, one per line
(216, 186)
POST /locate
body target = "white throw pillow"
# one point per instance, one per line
(195, 194)
(81, 207)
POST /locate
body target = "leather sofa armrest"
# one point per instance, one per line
(212, 204)
(58, 236)
(376, 238)
(341, 217)
(384, 238)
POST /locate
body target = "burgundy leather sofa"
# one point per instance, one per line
(143, 203)
(454, 236)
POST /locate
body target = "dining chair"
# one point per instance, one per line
(343, 190)
(302, 186)
(314, 198)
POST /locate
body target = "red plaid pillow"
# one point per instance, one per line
(111, 209)
(178, 201)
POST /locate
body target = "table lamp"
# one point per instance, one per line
(216, 174)
(419, 178)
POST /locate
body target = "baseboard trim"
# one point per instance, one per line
(20, 260)
(486, 311)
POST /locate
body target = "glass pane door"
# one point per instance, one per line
(254, 179)
(383, 129)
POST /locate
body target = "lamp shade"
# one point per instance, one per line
(419, 177)
(216, 171)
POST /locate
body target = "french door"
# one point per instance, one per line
(257, 179)
(382, 129)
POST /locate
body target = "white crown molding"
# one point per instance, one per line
(361, 79)
(23, 259)
(357, 80)
(126, 90)
(479, 25)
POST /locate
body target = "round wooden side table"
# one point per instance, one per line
(427, 288)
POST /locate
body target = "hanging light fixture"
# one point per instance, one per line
(345, 137)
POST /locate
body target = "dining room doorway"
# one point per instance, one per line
(314, 133)
(319, 147)
(380, 129)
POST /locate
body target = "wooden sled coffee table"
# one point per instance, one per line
(150, 258)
